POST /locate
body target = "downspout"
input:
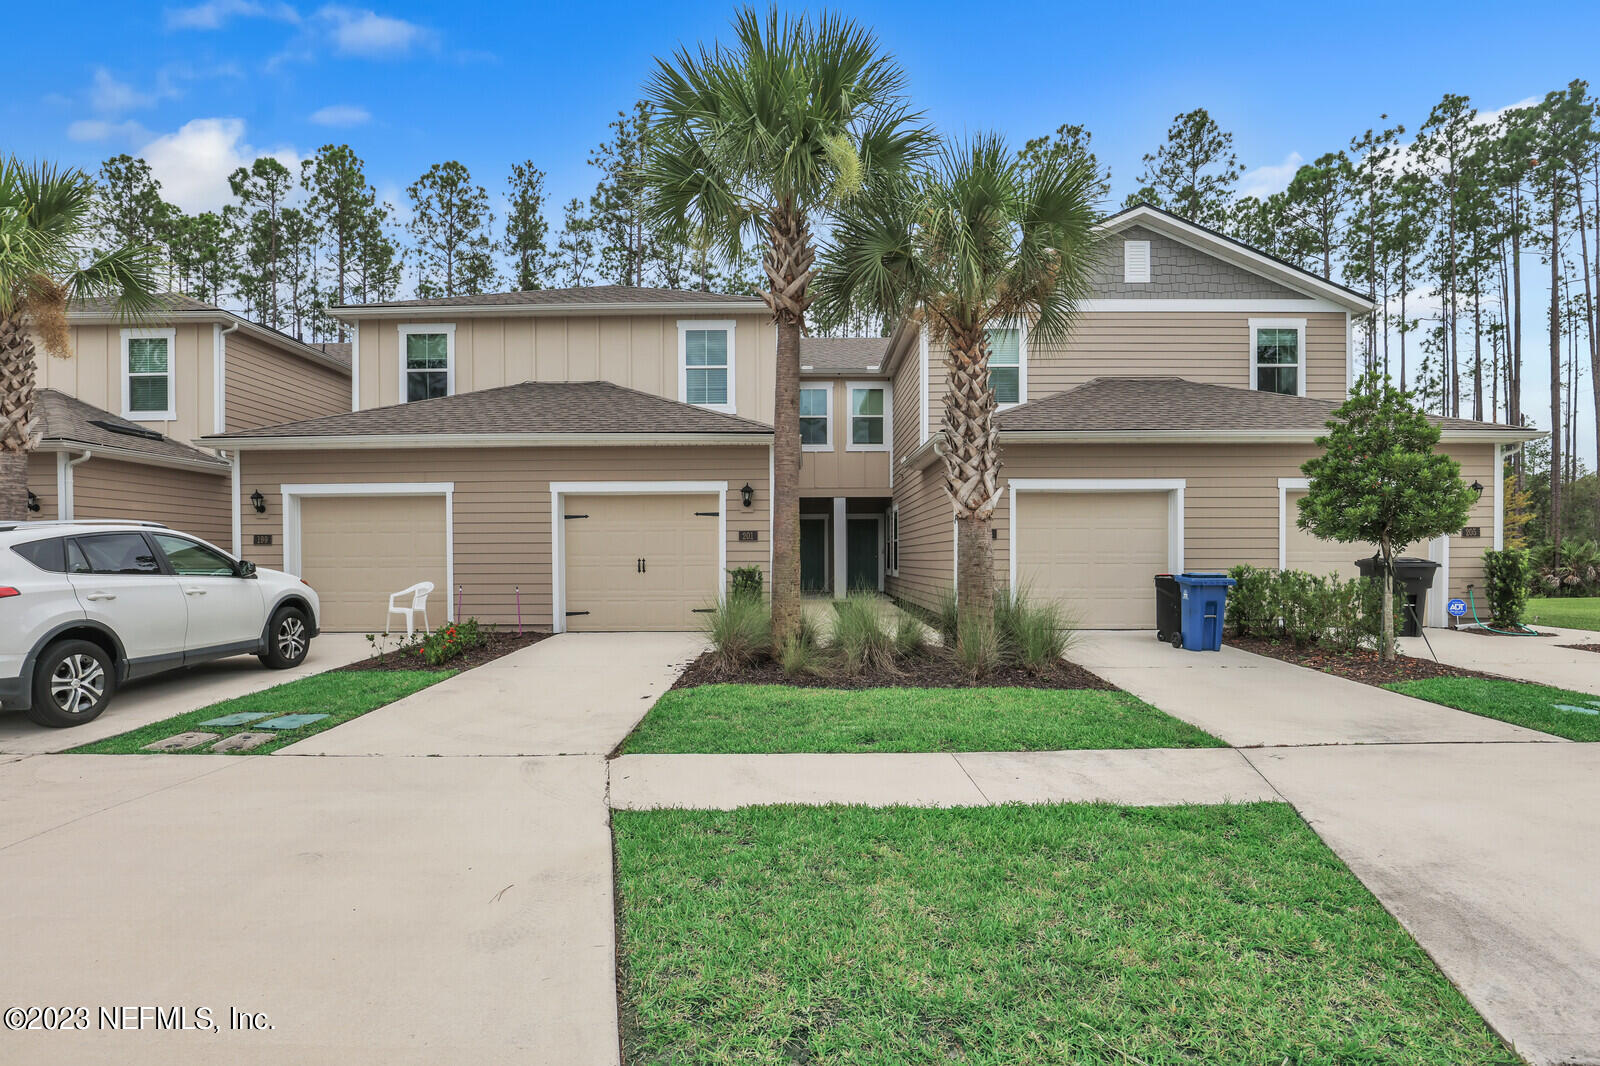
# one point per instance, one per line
(64, 506)
(238, 524)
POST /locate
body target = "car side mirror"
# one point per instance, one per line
(246, 568)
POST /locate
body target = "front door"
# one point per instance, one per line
(813, 555)
(861, 562)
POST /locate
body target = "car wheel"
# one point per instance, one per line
(288, 639)
(72, 683)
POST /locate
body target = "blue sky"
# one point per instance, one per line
(199, 87)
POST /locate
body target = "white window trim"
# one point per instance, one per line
(891, 538)
(292, 495)
(826, 388)
(923, 374)
(1022, 362)
(1173, 487)
(849, 417)
(406, 330)
(171, 413)
(1297, 324)
(1287, 485)
(1129, 275)
(559, 490)
(684, 326)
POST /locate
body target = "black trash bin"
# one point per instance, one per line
(1415, 576)
(1169, 610)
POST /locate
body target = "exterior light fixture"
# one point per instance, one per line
(259, 502)
(33, 501)
(747, 494)
(1477, 487)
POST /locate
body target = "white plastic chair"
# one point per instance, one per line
(419, 605)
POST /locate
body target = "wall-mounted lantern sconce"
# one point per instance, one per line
(1477, 487)
(258, 501)
(747, 494)
(33, 501)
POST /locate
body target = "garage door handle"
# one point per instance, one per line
(101, 596)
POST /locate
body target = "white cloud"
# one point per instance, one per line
(99, 129)
(213, 14)
(108, 96)
(364, 32)
(1264, 181)
(341, 115)
(194, 162)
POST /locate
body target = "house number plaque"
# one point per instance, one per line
(261, 538)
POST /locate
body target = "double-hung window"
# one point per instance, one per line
(1006, 366)
(1278, 355)
(147, 378)
(427, 362)
(869, 417)
(816, 402)
(705, 364)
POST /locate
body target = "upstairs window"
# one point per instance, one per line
(815, 431)
(147, 378)
(705, 364)
(1278, 355)
(428, 362)
(1005, 366)
(869, 418)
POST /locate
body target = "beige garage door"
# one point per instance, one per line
(356, 550)
(1094, 552)
(640, 562)
(1302, 551)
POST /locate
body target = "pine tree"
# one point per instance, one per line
(261, 189)
(526, 229)
(129, 210)
(1315, 204)
(340, 204)
(575, 256)
(617, 208)
(1194, 173)
(450, 223)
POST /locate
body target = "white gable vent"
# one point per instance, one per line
(1136, 261)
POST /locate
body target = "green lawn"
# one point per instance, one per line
(341, 695)
(1517, 702)
(723, 719)
(1568, 612)
(1017, 935)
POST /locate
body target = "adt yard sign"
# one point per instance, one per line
(1457, 607)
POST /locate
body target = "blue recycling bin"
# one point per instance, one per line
(1204, 603)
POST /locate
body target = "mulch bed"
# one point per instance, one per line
(931, 671)
(1363, 666)
(497, 645)
(1583, 647)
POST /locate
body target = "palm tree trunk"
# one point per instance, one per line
(787, 262)
(971, 468)
(19, 420)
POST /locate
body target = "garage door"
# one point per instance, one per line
(1094, 553)
(1302, 551)
(356, 550)
(640, 562)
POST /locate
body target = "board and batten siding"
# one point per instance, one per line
(501, 518)
(266, 387)
(841, 472)
(635, 351)
(94, 375)
(927, 526)
(193, 501)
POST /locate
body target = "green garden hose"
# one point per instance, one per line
(1520, 631)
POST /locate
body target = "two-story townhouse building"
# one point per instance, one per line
(121, 417)
(597, 458)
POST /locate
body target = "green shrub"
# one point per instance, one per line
(1252, 602)
(977, 646)
(1507, 574)
(1036, 635)
(739, 629)
(745, 581)
(860, 637)
(452, 639)
(1306, 609)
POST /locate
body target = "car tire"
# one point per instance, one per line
(73, 682)
(288, 639)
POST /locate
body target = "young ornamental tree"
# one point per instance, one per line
(1379, 481)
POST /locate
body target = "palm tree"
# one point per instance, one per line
(981, 240)
(760, 139)
(45, 261)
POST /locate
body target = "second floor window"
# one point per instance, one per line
(707, 371)
(869, 422)
(428, 363)
(814, 404)
(147, 375)
(1005, 365)
(1278, 356)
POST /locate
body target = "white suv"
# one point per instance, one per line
(85, 606)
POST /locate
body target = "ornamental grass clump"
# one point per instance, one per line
(801, 653)
(1034, 635)
(739, 629)
(977, 646)
(861, 639)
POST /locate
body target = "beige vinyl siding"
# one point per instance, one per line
(189, 500)
(927, 529)
(501, 517)
(266, 386)
(42, 483)
(94, 375)
(1466, 553)
(841, 472)
(636, 351)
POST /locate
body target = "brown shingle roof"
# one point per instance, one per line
(68, 420)
(1173, 404)
(587, 295)
(533, 407)
(339, 350)
(171, 301)
(843, 354)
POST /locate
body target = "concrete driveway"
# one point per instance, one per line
(154, 698)
(1542, 660)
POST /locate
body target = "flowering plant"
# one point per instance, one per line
(447, 642)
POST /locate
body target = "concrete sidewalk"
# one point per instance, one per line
(1542, 660)
(1255, 701)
